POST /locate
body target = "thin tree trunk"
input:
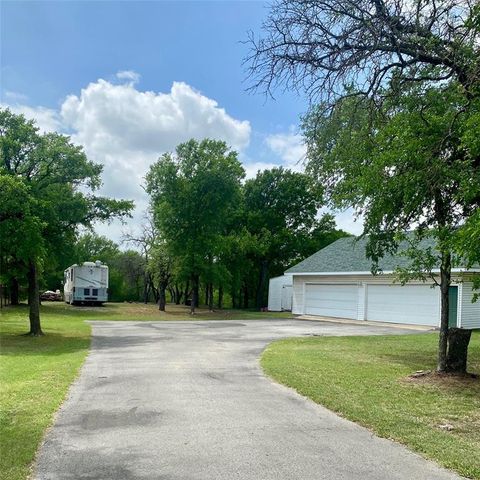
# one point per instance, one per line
(220, 297)
(14, 291)
(34, 300)
(162, 299)
(187, 291)
(194, 300)
(178, 295)
(234, 298)
(245, 296)
(146, 284)
(210, 297)
(445, 280)
(171, 291)
(196, 291)
(207, 293)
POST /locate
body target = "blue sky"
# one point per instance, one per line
(85, 67)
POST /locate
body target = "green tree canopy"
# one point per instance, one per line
(58, 176)
(281, 210)
(194, 192)
(410, 164)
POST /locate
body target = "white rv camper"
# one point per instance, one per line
(86, 283)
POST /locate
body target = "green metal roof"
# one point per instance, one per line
(348, 255)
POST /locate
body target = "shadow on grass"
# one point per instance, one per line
(48, 345)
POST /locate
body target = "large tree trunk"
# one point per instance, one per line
(458, 340)
(445, 280)
(262, 281)
(14, 291)
(220, 297)
(34, 300)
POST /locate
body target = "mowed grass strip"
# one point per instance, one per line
(35, 373)
(138, 312)
(366, 379)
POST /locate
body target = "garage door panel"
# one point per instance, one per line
(331, 300)
(411, 304)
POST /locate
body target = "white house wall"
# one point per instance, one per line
(469, 312)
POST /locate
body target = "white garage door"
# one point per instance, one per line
(331, 300)
(413, 304)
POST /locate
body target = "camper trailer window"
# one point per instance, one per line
(95, 292)
(86, 291)
(71, 274)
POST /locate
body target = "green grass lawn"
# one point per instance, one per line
(366, 379)
(35, 373)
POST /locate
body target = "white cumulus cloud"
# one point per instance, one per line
(47, 119)
(106, 116)
(289, 147)
(126, 130)
(128, 75)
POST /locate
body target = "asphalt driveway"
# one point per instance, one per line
(188, 400)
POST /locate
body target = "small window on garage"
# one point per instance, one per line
(86, 291)
(95, 292)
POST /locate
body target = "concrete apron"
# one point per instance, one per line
(403, 326)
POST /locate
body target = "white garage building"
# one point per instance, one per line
(337, 282)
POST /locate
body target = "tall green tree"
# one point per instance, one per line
(57, 174)
(160, 266)
(411, 164)
(375, 51)
(281, 210)
(91, 246)
(193, 194)
(21, 240)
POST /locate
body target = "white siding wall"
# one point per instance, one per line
(469, 312)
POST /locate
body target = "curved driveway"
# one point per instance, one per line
(187, 400)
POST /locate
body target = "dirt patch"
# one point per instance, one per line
(429, 377)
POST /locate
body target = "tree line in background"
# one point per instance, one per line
(211, 236)
(226, 236)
